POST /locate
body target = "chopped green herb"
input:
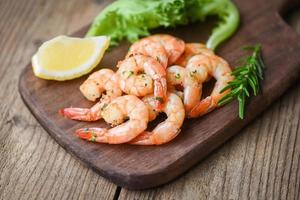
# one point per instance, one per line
(193, 73)
(93, 139)
(157, 58)
(160, 99)
(104, 106)
(130, 73)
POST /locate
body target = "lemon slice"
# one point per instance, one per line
(65, 58)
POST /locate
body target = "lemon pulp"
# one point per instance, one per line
(64, 58)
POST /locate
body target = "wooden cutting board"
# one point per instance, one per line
(139, 167)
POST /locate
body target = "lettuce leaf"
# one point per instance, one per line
(130, 19)
(227, 12)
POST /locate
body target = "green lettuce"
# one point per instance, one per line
(131, 19)
(227, 12)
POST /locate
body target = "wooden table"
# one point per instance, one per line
(263, 161)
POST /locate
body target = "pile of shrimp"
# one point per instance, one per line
(160, 73)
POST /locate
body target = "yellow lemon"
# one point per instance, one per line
(65, 58)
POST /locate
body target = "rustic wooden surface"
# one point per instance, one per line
(261, 162)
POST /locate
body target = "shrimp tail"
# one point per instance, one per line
(80, 114)
(92, 134)
(202, 107)
(143, 139)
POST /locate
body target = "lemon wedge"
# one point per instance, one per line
(65, 58)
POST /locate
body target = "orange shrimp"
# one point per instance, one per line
(190, 50)
(116, 112)
(102, 81)
(166, 130)
(210, 66)
(173, 45)
(189, 80)
(134, 83)
(150, 48)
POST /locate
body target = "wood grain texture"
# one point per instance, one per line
(262, 162)
(32, 164)
(139, 167)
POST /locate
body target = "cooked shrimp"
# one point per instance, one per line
(151, 48)
(190, 50)
(149, 101)
(116, 112)
(210, 66)
(104, 80)
(173, 45)
(134, 83)
(84, 114)
(166, 130)
(196, 76)
(175, 76)
(188, 79)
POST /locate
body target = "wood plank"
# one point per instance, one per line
(143, 167)
(19, 130)
(262, 162)
(32, 164)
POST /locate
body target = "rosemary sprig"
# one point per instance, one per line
(247, 77)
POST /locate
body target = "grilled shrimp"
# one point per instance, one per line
(150, 48)
(104, 80)
(173, 45)
(190, 50)
(114, 113)
(134, 83)
(166, 130)
(206, 66)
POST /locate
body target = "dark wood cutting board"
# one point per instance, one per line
(139, 167)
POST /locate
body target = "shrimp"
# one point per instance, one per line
(209, 66)
(131, 82)
(190, 50)
(104, 80)
(173, 45)
(84, 114)
(150, 48)
(189, 80)
(116, 112)
(166, 130)
(176, 76)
